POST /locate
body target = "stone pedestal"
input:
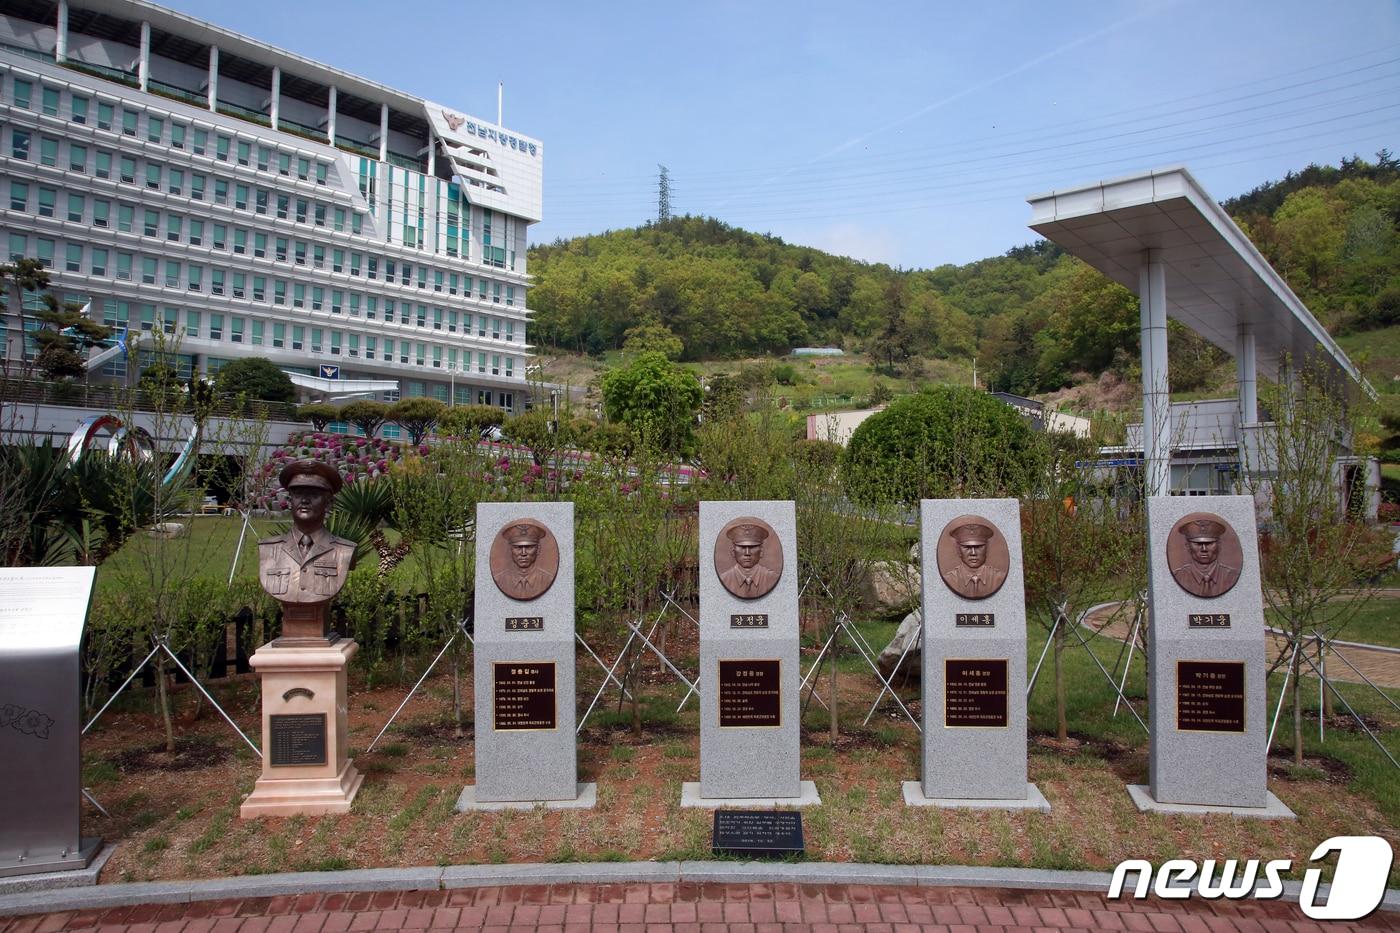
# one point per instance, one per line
(750, 717)
(526, 750)
(1207, 696)
(974, 660)
(305, 766)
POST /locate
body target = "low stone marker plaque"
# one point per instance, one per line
(750, 693)
(975, 693)
(297, 740)
(1209, 722)
(974, 658)
(757, 833)
(523, 668)
(1210, 696)
(750, 735)
(524, 695)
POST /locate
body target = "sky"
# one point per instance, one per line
(905, 133)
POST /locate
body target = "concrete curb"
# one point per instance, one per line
(469, 876)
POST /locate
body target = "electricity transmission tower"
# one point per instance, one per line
(663, 196)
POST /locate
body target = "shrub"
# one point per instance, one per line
(256, 379)
(944, 442)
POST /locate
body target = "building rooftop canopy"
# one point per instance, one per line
(1216, 278)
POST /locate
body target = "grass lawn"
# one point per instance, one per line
(206, 552)
(1377, 352)
(1377, 624)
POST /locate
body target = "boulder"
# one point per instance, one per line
(903, 638)
(891, 588)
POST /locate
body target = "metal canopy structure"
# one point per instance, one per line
(1217, 280)
(1160, 234)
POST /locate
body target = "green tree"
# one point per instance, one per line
(1080, 543)
(653, 338)
(65, 338)
(256, 379)
(417, 416)
(17, 279)
(1320, 561)
(657, 398)
(369, 416)
(944, 442)
(470, 422)
(319, 414)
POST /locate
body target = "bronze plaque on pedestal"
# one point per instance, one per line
(1210, 696)
(524, 696)
(750, 693)
(975, 693)
(297, 740)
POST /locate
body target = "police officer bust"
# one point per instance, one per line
(307, 564)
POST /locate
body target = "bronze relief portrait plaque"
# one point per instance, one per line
(1204, 555)
(524, 559)
(748, 557)
(973, 558)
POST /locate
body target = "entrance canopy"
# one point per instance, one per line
(1218, 284)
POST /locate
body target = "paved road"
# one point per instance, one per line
(702, 908)
(1382, 667)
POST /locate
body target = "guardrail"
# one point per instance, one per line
(117, 399)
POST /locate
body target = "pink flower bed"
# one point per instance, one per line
(357, 459)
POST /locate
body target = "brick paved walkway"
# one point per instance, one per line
(1382, 667)
(702, 908)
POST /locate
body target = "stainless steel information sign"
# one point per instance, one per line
(42, 614)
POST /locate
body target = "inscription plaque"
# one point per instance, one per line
(525, 624)
(524, 698)
(1210, 696)
(1208, 620)
(975, 693)
(749, 620)
(750, 693)
(975, 619)
(297, 740)
(757, 833)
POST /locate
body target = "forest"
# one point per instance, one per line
(1038, 318)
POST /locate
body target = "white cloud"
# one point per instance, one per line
(858, 241)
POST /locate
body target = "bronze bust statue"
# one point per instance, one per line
(751, 566)
(306, 567)
(524, 560)
(975, 569)
(1211, 564)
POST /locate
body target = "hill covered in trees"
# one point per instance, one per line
(1037, 318)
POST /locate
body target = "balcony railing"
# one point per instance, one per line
(301, 129)
(175, 92)
(356, 146)
(27, 53)
(128, 78)
(235, 110)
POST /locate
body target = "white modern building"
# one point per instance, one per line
(244, 201)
